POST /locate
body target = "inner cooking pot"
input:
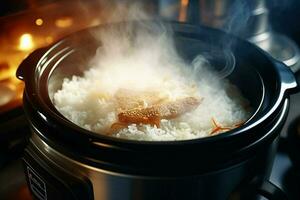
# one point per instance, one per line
(214, 167)
(263, 81)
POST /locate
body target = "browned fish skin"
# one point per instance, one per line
(116, 127)
(140, 116)
(153, 114)
(130, 99)
(176, 108)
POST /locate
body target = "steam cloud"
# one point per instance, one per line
(140, 54)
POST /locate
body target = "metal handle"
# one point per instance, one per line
(29, 63)
(288, 79)
(271, 191)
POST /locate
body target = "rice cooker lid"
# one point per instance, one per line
(275, 81)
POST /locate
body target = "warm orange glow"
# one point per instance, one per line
(184, 2)
(183, 10)
(39, 22)
(26, 42)
(7, 94)
(49, 39)
(4, 69)
(11, 91)
(64, 22)
(95, 22)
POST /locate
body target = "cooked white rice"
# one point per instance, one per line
(85, 102)
(148, 61)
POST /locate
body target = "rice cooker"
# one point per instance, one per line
(65, 161)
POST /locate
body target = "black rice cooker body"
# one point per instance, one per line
(217, 167)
